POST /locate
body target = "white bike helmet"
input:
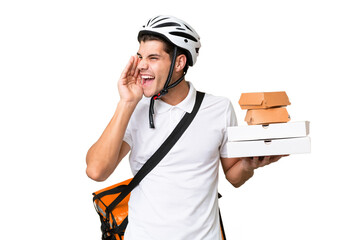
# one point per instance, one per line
(182, 36)
(175, 31)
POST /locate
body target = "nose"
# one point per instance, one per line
(142, 65)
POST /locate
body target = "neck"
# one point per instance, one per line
(177, 94)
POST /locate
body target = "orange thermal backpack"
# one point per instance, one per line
(113, 223)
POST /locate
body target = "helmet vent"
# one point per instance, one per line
(148, 23)
(154, 18)
(188, 27)
(185, 35)
(168, 24)
(158, 21)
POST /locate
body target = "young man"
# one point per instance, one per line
(177, 200)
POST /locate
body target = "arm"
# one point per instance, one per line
(239, 170)
(106, 153)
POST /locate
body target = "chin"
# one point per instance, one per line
(148, 93)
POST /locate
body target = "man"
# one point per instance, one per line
(177, 200)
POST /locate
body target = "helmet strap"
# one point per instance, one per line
(165, 89)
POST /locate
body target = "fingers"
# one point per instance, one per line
(131, 68)
(266, 161)
(137, 70)
(126, 70)
(138, 80)
(257, 162)
(134, 66)
(275, 158)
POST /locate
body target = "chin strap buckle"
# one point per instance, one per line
(160, 94)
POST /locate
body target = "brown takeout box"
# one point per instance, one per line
(267, 116)
(261, 100)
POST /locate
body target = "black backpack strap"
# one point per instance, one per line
(221, 222)
(115, 190)
(222, 226)
(161, 152)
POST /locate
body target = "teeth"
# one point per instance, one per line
(146, 77)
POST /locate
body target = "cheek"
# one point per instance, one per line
(161, 73)
(160, 70)
(164, 71)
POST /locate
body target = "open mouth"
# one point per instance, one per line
(147, 79)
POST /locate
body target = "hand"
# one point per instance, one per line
(129, 84)
(252, 163)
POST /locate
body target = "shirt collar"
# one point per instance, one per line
(186, 105)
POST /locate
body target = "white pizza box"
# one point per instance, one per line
(271, 131)
(269, 147)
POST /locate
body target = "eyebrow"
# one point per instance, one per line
(151, 55)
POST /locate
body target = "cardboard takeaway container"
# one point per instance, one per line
(266, 116)
(271, 131)
(269, 147)
(261, 100)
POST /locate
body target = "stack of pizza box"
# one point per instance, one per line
(269, 131)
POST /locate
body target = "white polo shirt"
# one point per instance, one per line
(178, 199)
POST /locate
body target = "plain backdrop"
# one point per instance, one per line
(59, 66)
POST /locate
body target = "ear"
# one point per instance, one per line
(180, 63)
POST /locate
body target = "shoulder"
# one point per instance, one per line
(212, 101)
(220, 108)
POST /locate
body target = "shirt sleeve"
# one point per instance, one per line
(230, 121)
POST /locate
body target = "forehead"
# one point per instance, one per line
(151, 47)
